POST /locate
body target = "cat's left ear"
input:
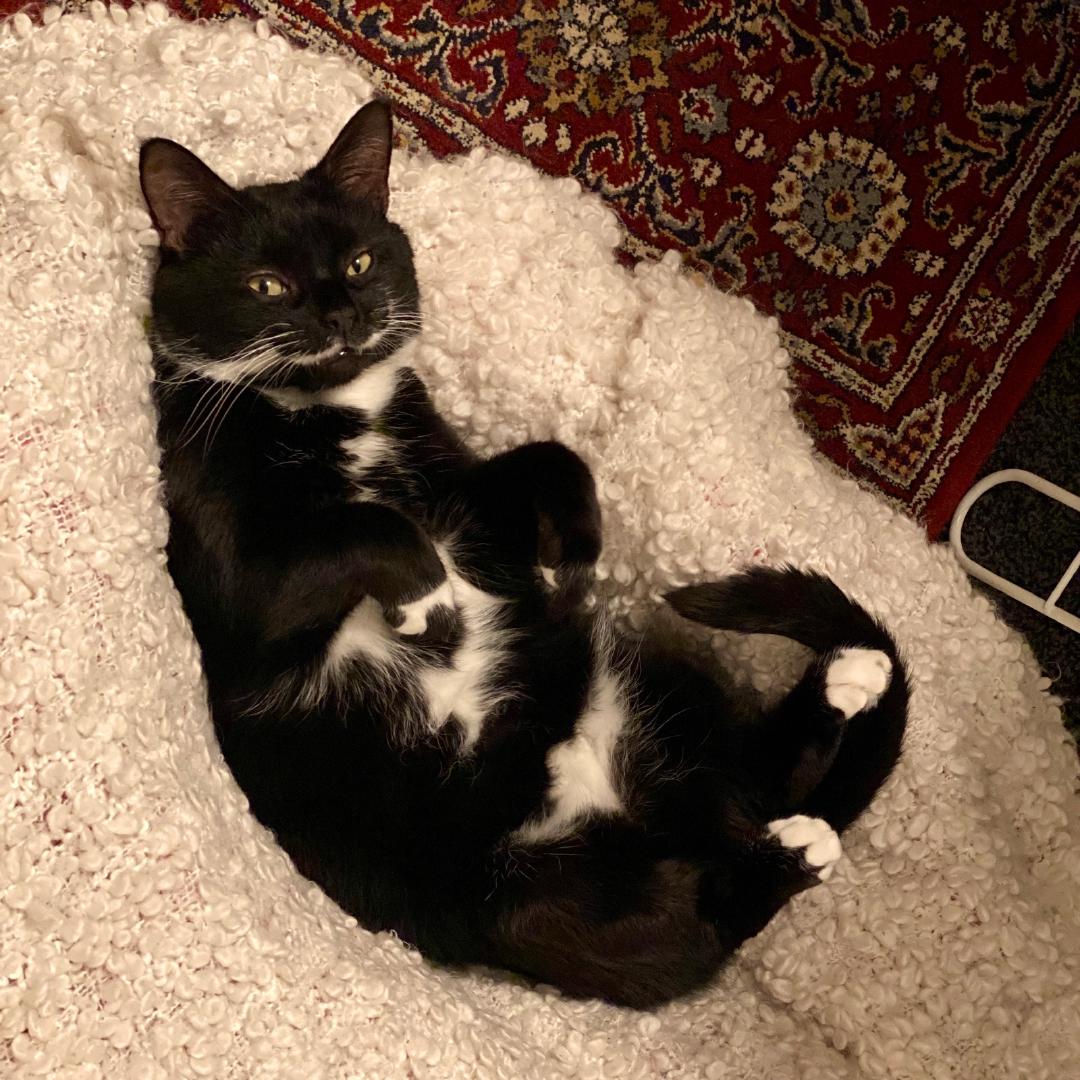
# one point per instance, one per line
(358, 163)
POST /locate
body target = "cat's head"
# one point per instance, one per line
(302, 284)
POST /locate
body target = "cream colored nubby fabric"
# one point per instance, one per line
(150, 929)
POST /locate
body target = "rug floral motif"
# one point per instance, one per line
(898, 183)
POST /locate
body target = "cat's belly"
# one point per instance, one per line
(421, 696)
(585, 770)
(469, 687)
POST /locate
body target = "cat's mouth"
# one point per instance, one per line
(345, 353)
(334, 350)
(341, 360)
(332, 367)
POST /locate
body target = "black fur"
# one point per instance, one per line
(271, 548)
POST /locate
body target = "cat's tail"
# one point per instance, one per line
(811, 609)
(798, 604)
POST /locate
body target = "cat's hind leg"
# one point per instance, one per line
(855, 679)
(538, 502)
(796, 743)
(813, 839)
(742, 892)
(605, 918)
(832, 742)
(872, 734)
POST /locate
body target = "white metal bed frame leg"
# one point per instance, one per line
(1047, 606)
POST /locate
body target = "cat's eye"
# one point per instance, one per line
(359, 264)
(268, 285)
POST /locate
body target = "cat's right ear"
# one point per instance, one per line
(179, 190)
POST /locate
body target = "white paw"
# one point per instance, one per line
(548, 575)
(415, 613)
(814, 836)
(856, 679)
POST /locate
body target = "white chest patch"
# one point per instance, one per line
(425, 697)
(372, 390)
(365, 632)
(582, 768)
(468, 689)
(366, 451)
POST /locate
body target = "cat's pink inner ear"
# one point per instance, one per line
(179, 190)
(358, 163)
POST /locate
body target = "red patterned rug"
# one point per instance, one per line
(898, 183)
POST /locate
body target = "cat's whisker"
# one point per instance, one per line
(198, 415)
(252, 355)
(236, 391)
(258, 359)
(399, 329)
(210, 402)
(403, 318)
(398, 335)
(180, 357)
(212, 425)
(434, 320)
(227, 404)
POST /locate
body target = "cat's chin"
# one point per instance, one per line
(331, 371)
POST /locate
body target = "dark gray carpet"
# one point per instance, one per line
(1029, 538)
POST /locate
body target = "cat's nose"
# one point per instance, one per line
(342, 321)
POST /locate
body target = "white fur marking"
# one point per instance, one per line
(549, 576)
(310, 359)
(372, 390)
(416, 611)
(815, 836)
(856, 679)
(262, 361)
(373, 339)
(366, 451)
(364, 632)
(234, 371)
(581, 768)
(464, 689)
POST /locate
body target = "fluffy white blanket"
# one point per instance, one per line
(150, 929)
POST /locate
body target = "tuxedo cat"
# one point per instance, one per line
(403, 675)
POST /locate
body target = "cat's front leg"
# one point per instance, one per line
(334, 559)
(541, 500)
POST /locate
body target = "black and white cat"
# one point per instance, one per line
(403, 676)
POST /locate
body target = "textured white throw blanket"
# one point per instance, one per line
(150, 929)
